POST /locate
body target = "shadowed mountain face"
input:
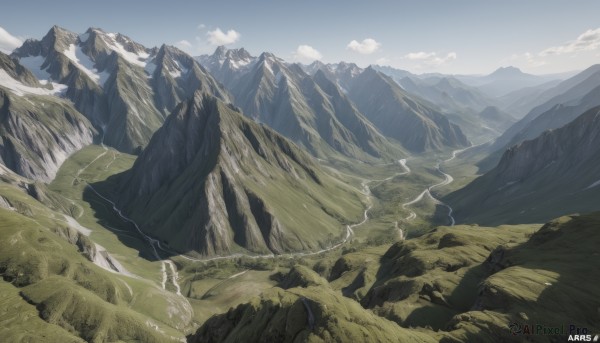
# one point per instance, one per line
(398, 115)
(125, 89)
(38, 131)
(555, 173)
(332, 104)
(389, 107)
(215, 182)
(560, 105)
(310, 110)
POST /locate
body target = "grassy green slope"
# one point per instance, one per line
(68, 290)
(53, 263)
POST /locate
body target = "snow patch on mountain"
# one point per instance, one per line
(237, 64)
(20, 89)
(131, 57)
(180, 70)
(268, 66)
(85, 64)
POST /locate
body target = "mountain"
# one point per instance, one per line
(123, 88)
(462, 105)
(310, 110)
(518, 103)
(496, 119)
(215, 182)
(446, 94)
(417, 126)
(554, 174)
(446, 91)
(394, 73)
(315, 103)
(565, 102)
(225, 64)
(342, 73)
(38, 130)
(505, 80)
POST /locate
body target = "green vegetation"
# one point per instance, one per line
(43, 254)
(313, 314)
(552, 175)
(233, 186)
(454, 284)
(279, 246)
(21, 322)
(67, 289)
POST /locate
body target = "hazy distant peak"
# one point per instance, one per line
(509, 71)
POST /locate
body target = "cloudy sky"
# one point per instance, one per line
(538, 36)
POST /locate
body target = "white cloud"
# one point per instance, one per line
(526, 59)
(589, 40)
(384, 61)
(533, 60)
(218, 37)
(306, 53)
(183, 44)
(421, 55)
(366, 47)
(8, 42)
(201, 26)
(431, 58)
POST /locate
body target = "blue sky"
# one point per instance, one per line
(538, 36)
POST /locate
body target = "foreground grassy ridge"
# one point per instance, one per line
(312, 314)
(68, 290)
(459, 284)
(21, 322)
(473, 281)
(551, 279)
(39, 245)
(426, 281)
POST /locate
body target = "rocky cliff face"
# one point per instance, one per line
(37, 130)
(571, 145)
(311, 110)
(554, 108)
(227, 65)
(214, 182)
(556, 173)
(125, 89)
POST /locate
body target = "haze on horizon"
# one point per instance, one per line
(458, 37)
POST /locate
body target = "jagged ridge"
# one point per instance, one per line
(225, 182)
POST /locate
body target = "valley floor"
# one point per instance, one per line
(385, 187)
(400, 201)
